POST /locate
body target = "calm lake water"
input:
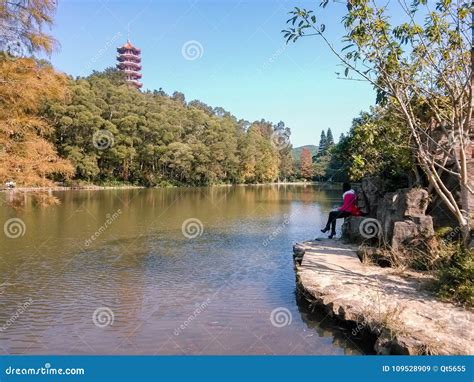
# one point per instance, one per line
(115, 272)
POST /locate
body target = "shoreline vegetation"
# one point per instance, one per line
(93, 187)
(414, 137)
(99, 130)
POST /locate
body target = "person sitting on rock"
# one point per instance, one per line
(348, 208)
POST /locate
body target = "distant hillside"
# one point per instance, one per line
(297, 151)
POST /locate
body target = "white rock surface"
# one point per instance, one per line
(406, 318)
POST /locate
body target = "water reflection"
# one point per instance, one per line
(168, 294)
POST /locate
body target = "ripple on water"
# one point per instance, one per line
(160, 292)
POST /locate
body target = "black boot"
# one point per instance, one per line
(325, 229)
(332, 235)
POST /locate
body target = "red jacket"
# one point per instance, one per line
(349, 203)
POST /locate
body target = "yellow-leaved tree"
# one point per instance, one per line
(26, 155)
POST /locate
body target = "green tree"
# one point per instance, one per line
(329, 139)
(378, 145)
(320, 167)
(322, 144)
(149, 138)
(424, 71)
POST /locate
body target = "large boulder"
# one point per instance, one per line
(402, 216)
(404, 203)
(350, 229)
(414, 201)
(403, 232)
(425, 225)
(298, 253)
(373, 189)
(399, 217)
(358, 229)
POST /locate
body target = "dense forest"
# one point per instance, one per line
(100, 130)
(111, 132)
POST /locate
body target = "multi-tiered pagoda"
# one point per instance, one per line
(129, 63)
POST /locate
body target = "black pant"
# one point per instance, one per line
(333, 216)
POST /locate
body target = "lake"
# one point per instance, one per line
(163, 271)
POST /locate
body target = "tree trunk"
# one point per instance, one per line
(465, 193)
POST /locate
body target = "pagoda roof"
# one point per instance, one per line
(126, 57)
(128, 46)
(126, 64)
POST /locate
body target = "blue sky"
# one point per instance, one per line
(242, 63)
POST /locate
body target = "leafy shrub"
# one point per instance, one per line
(455, 279)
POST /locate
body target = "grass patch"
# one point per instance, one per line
(440, 256)
(455, 278)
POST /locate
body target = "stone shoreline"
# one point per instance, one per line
(395, 308)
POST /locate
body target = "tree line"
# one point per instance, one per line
(376, 145)
(324, 166)
(110, 132)
(55, 128)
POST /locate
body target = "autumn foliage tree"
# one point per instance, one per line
(26, 154)
(306, 164)
(22, 24)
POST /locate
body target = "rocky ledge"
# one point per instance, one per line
(395, 307)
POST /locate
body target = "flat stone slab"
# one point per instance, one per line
(406, 318)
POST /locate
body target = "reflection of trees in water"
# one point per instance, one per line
(22, 200)
(317, 320)
(144, 252)
(130, 294)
